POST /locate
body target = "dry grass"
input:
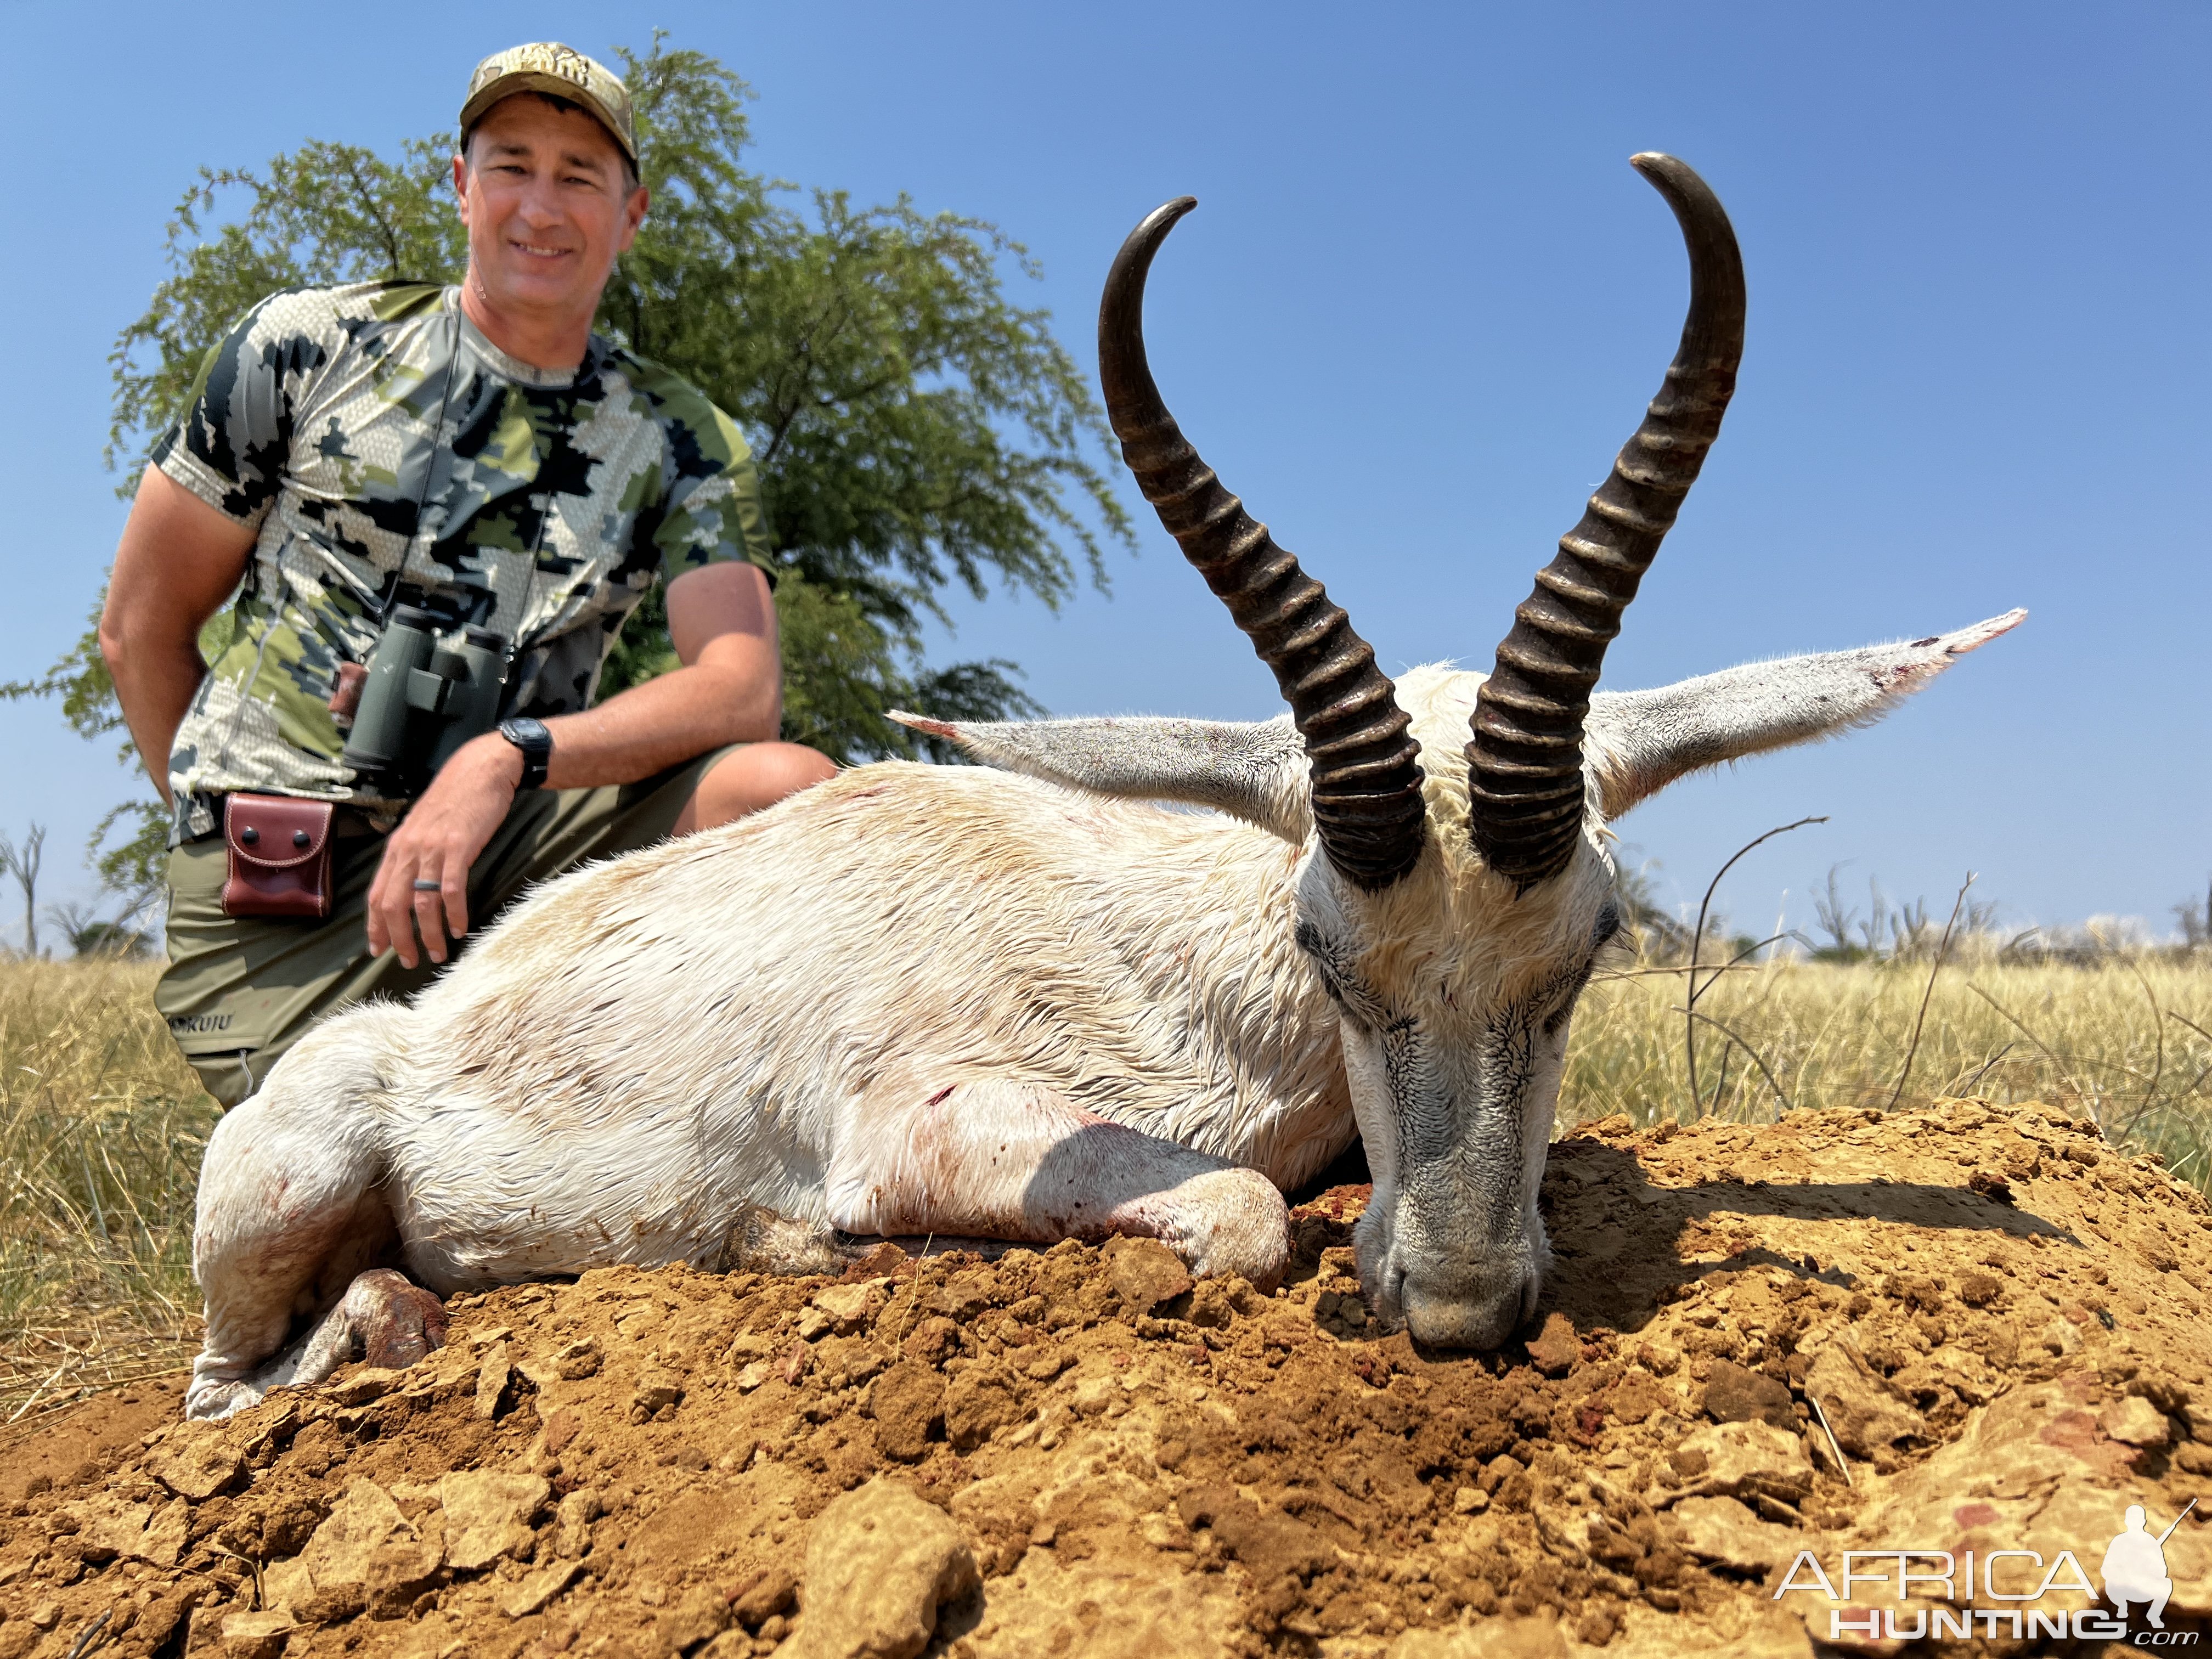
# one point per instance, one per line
(2127, 1041)
(102, 1124)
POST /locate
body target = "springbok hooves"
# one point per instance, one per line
(398, 1323)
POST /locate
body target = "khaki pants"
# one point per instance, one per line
(239, 991)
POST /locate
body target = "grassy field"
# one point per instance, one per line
(2123, 1041)
(101, 1123)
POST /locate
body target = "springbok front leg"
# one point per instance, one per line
(993, 1158)
(295, 1235)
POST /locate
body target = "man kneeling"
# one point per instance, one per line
(431, 509)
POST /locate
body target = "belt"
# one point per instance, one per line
(347, 823)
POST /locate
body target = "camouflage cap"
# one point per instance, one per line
(559, 71)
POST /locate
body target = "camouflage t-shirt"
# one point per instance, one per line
(388, 452)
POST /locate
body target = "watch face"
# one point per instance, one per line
(536, 745)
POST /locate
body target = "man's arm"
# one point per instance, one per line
(178, 560)
(721, 619)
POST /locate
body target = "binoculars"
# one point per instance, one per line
(420, 701)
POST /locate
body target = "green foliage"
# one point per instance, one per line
(914, 428)
(133, 868)
(843, 669)
(89, 934)
(326, 213)
(128, 852)
(80, 680)
(873, 359)
(872, 356)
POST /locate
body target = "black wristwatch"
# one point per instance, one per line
(535, 743)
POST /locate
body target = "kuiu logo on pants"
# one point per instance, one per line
(2133, 1570)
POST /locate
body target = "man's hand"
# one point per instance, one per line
(721, 621)
(438, 841)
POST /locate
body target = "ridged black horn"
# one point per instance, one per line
(1525, 761)
(1366, 771)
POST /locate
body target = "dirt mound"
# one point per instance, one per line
(1081, 1451)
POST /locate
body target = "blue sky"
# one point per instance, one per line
(1423, 301)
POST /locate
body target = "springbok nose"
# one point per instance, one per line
(1483, 1318)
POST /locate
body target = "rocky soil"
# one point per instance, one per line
(1080, 1451)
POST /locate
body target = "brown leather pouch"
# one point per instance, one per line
(280, 856)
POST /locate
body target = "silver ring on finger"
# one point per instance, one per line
(429, 887)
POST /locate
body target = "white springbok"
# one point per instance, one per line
(1023, 1001)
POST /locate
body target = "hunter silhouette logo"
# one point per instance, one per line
(2134, 1568)
(2133, 1574)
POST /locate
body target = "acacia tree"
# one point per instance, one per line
(914, 428)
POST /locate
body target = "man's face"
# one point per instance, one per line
(542, 193)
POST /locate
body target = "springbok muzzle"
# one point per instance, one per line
(1451, 1285)
(1454, 1316)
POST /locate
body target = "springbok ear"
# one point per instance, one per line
(1254, 770)
(1639, 742)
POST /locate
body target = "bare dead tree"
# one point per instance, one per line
(22, 863)
(2196, 922)
(1835, 919)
